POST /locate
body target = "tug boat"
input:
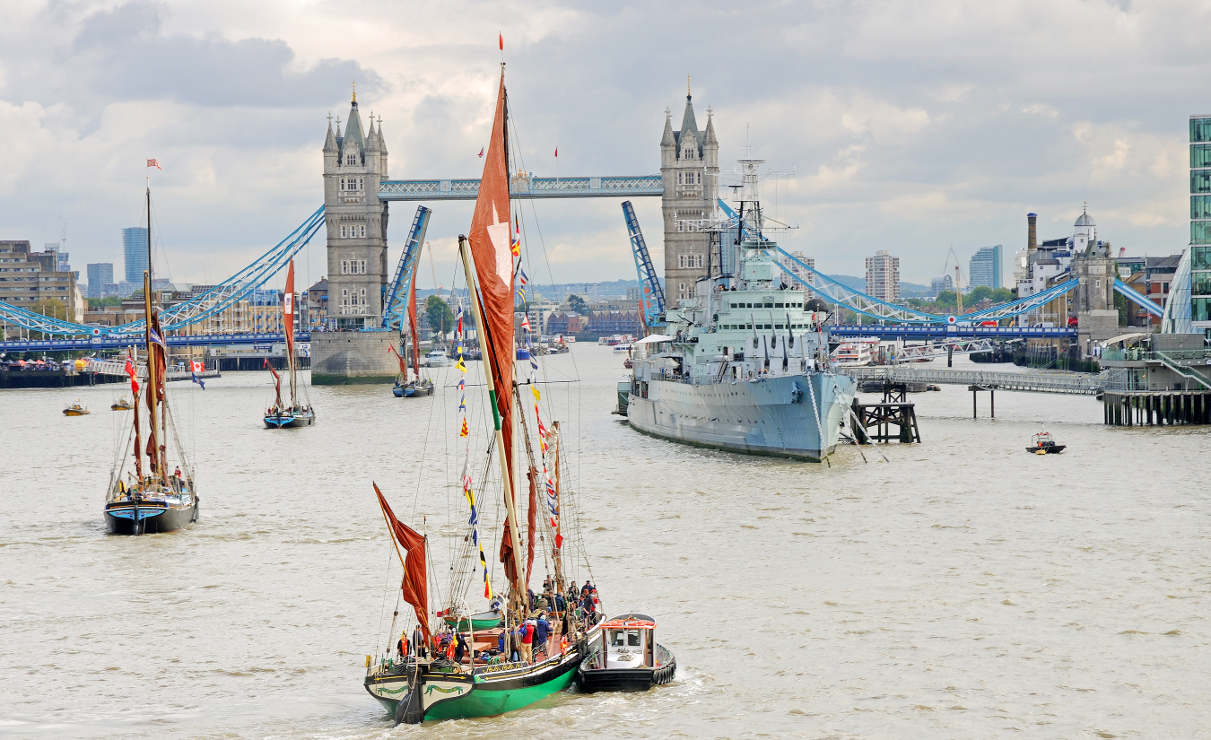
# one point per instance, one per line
(122, 404)
(626, 657)
(75, 408)
(1043, 444)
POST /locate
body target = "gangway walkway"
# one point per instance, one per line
(1081, 384)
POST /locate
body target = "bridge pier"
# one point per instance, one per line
(992, 400)
(1152, 408)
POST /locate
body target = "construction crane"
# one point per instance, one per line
(652, 297)
(395, 297)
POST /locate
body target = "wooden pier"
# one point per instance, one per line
(892, 420)
(1156, 408)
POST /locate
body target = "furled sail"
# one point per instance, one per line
(412, 328)
(288, 325)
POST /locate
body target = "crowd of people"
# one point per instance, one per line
(532, 635)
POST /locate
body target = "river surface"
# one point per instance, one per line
(956, 588)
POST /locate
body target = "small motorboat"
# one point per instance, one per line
(122, 404)
(421, 387)
(436, 358)
(624, 656)
(1043, 444)
(75, 408)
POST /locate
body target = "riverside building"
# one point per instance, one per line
(1188, 310)
(883, 276)
(28, 277)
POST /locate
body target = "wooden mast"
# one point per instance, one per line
(510, 497)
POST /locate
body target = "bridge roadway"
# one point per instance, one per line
(930, 331)
(525, 187)
(121, 341)
(1030, 381)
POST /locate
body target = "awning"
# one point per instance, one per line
(652, 339)
(1125, 337)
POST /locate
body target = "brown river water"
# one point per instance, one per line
(956, 588)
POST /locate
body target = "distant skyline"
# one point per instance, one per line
(908, 127)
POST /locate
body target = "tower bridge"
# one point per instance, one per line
(357, 193)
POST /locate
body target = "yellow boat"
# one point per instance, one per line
(121, 405)
(75, 409)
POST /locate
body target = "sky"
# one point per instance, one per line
(912, 127)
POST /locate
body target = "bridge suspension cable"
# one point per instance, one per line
(196, 309)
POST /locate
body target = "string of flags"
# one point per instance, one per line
(464, 431)
(552, 496)
(522, 279)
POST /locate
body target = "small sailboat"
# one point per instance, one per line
(418, 386)
(626, 657)
(279, 415)
(151, 500)
(76, 408)
(122, 403)
(421, 682)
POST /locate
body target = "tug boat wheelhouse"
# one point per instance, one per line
(626, 657)
(1043, 444)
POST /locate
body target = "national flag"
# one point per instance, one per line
(197, 368)
(154, 163)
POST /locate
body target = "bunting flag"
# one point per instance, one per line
(154, 163)
(130, 370)
(515, 244)
(552, 496)
(521, 282)
(465, 432)
(525, 323)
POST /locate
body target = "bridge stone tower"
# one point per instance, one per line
(356, 221)
(689, 165)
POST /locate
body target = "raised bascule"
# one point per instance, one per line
(364, 296)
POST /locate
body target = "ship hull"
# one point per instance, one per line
(148, 517)
(289, 420)
(766, 416)
(460, 696)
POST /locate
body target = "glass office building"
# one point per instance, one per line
(985, 268)
(1188, 309)
(134, 250)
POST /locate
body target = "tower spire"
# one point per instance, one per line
(688, 90)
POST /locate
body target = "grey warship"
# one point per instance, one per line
(743, 364)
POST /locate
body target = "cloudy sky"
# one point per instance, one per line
(908, 126)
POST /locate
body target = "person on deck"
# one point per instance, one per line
(418, 643)
(527, 641)
(460, 647)
(542, 631)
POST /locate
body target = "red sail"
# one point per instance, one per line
(489, 238)
(532, 522)
(277, 384)
(506, 553)
(288, 312)
(415, 585)
(156, 359)
(138, 439)
(412, 327)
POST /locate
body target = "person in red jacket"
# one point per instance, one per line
(527, 641)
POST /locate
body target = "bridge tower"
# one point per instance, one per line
(689, 165)
(356, 220)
